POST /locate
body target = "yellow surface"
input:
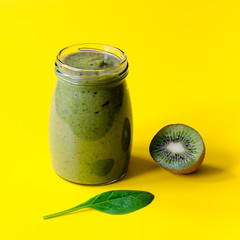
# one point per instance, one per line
(184, 68)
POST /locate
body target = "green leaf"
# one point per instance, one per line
(113, 202)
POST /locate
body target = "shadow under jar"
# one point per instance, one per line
(90, 128)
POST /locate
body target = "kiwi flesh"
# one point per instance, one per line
(178, 148)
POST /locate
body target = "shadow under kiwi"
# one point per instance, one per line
(206, 170)
(216, 166)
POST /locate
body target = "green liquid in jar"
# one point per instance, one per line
(90, 126)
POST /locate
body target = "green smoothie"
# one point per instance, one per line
(90, 124)
(91, 60)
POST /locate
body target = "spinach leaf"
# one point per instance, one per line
(113, 202)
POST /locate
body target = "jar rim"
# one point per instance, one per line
(80, 76)
(88, 46)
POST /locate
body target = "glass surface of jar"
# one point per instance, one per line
(90, 127)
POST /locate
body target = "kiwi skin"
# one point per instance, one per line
(195, 166)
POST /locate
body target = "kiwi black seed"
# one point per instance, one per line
(178, 148)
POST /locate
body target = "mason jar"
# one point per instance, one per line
(90, 127)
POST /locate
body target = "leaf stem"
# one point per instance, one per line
(64, 212)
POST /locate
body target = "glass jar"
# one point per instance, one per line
(90, 128)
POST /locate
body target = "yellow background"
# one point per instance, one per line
(184, 68)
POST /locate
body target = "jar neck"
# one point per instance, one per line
(79, 76)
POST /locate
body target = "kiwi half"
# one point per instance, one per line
(178, 148)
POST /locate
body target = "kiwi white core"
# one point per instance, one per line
(175, 147)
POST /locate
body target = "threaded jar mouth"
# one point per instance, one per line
(80, 76)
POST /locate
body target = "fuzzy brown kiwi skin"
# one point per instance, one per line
(193, 168)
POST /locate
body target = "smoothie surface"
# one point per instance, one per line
(91, 60)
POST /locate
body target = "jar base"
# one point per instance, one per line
(97, 184)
